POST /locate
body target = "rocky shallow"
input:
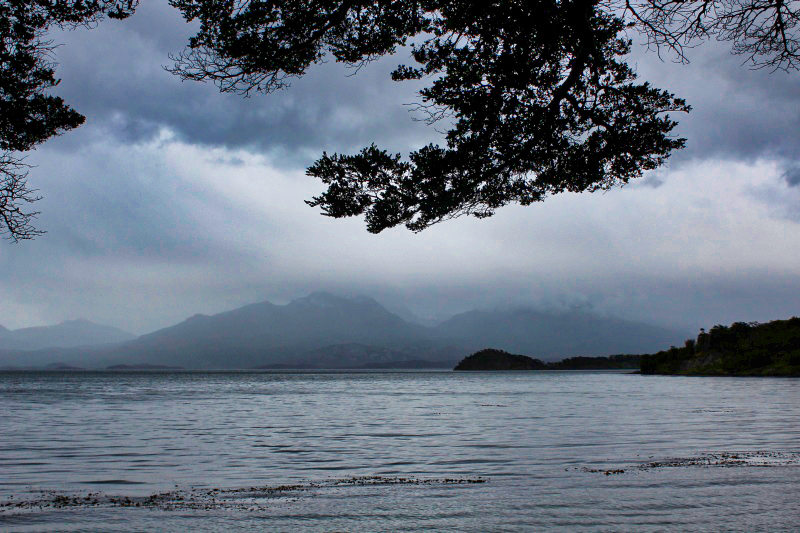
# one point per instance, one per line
(707, 460)
(247, 498)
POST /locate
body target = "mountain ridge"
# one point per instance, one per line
(67, 334)
(323, 330)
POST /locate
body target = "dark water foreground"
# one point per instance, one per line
(397, 451)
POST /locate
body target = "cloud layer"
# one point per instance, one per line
(174, 199)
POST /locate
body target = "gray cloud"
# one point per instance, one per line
(780, 196)
(791, 173)
(738, 113)
(142, 237)
(127, 90)
(653, 179)
(174, 199)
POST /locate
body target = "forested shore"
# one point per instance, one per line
(741, 349)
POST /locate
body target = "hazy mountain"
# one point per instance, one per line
(326, 331)
(553, 336)
(264, 334)
(70, 333)
(85, 357)
(408, 315)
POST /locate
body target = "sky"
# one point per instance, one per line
(174, 199)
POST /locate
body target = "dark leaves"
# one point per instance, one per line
(29, 113)
(540, 99)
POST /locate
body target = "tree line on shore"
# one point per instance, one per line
(743, 348)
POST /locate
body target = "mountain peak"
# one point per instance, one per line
(77, 321)
(326, 299)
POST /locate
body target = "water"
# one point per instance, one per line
(557, 450)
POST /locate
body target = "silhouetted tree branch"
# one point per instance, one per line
(765, 31)
(538, 93)
(15, 224)
(29, 113)
(540, 99)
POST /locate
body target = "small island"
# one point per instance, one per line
(491, 359)
(741, 349)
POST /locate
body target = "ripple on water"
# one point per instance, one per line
(577, 451)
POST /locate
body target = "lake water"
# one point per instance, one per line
(397, 451)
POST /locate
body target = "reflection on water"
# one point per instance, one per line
(573, 450)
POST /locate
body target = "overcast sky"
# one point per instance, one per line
(174, 199)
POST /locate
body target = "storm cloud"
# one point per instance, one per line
(175, 199)
(127, 90)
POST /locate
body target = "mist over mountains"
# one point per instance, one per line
(326, 331)
(69, 333)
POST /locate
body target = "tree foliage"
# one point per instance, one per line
(739, 349)
(537, 94)
(29, 112)
(764, 31)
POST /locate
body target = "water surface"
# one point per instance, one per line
(572, 450)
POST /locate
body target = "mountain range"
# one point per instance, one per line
(326, 331)
(69, 333)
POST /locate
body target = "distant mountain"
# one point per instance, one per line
(84, 357)
(70, 333)
(267, 334)
(327, 331)
(553, 336)
(408, 315)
